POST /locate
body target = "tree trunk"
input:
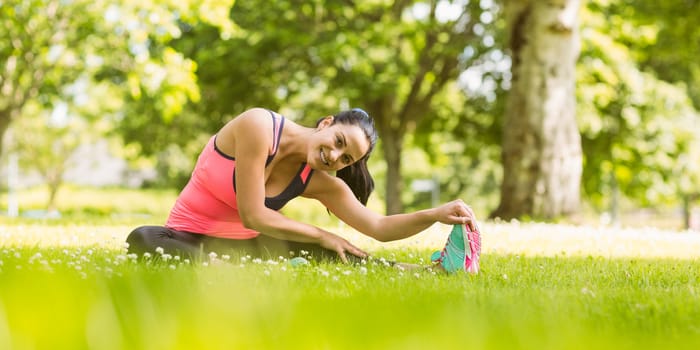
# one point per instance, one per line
(542, 158)
(391, 136)
(688, 219)
(54, 180)
(4, 124)
(392, 147)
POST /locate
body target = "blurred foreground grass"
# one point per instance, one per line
(67, 284)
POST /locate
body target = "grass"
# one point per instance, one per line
(68, 284)
(72, 287)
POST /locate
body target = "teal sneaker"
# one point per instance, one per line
(461, 252)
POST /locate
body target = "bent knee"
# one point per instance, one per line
(138, 240)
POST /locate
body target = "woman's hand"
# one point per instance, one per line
(340, 246)
(456, 212)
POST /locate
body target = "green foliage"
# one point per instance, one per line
(164, 75)
(672, 53)
(398, 60)
(635, 127)
(53, 52)
(44, 46)
(45, 142)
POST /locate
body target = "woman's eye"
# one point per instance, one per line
(346, 159)
(339, 142)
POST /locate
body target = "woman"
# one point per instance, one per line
(259, 161)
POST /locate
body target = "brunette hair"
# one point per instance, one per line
(356, 175)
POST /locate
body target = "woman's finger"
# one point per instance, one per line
(341, 254)
(357, 251)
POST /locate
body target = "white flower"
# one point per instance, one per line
(363, 270)
(159, 250)
(212, 255)
(587, 291)
(172, 267)
(147, 255)
(226, 257)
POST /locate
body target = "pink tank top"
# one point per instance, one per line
(207, 205)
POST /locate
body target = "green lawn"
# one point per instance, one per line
(67, 284)
(76, 289)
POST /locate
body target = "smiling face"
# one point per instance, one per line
(335, 146)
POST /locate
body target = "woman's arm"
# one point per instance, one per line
(338, 198)
(250, 134)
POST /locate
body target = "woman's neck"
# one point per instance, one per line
(294, 142)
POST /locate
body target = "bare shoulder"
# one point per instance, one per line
(251, 120)
(324, 185)
(249, 127)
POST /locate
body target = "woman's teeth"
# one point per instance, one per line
(323, 158)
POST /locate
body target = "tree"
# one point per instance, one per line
(48, 139)
(542, 159)
(673, 54)
(45, 45)
(393, 58)
(40, 46)
(639, 132)
(673, 57)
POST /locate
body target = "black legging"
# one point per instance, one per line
(146, 239)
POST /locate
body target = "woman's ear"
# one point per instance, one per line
(325, 122)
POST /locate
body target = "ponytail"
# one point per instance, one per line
(358, 178)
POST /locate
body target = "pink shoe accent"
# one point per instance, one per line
(471, 259)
